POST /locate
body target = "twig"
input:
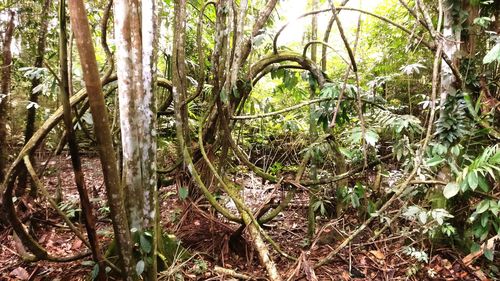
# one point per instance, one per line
(232, 273)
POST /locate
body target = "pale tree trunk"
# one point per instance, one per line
(83, 37)
(451, 47)
(4, 94)
(135, 25)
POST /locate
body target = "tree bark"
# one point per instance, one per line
(4, 94)
(80, 26)
(313, 132)
(450, 48)
(88, 215)
(33, 97)
(135, 30)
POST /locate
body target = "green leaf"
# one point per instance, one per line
(183, 193)
(492, 55)
(354, 200)
(95, 271)
(472, 180)
(483, 184)
(483, 206)
(145, 244)
(488, 253)
(475, 248)
(484, 219)
(451, 189)
(371, 137)
(436, 160)
(139, 267)
(37, 89)
(88, 263)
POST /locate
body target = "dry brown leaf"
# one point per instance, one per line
(346, 276)
(20, 273)
(378, 254)
(76, 244)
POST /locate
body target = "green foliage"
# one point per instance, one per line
(453, 125)
(419, 255)
(183, 192)
(492, 55)
(323, 112)
(352, 195)
(475, 174)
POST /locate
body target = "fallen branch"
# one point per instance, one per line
(232, 273)
(486, 246)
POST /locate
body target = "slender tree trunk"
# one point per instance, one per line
(313, 132)
(83, 37)
(4, 94)
(324, 57)
(135, 30)
(88, 215)
(179, 74)
(450, 48)
(33, 97)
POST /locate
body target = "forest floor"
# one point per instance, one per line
(209, 237)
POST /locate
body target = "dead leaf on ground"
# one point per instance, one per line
(346, 276)
(76, 244)
(20, 273)
(378, 254)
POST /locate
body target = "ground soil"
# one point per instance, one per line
(208, 237)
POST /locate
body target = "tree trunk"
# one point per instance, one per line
(33, 97)
(179, 74)
(313, 131)
(4, 94)
(135, 69)
(450, 48)
(88, 215)
(83, 37)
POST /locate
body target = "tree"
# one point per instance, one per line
(5, 91)
(135, 33)
(34, 93)
(80, 26)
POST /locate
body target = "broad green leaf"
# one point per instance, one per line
(145, 244)
(436, 160)
(451, 189)
(484, 219)
(492, 55)
(371, 137)
(483, 184)
(488, 253)
(483, 206)
(139, 267)
(472, 180)
(475, 248)
(37, 89)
